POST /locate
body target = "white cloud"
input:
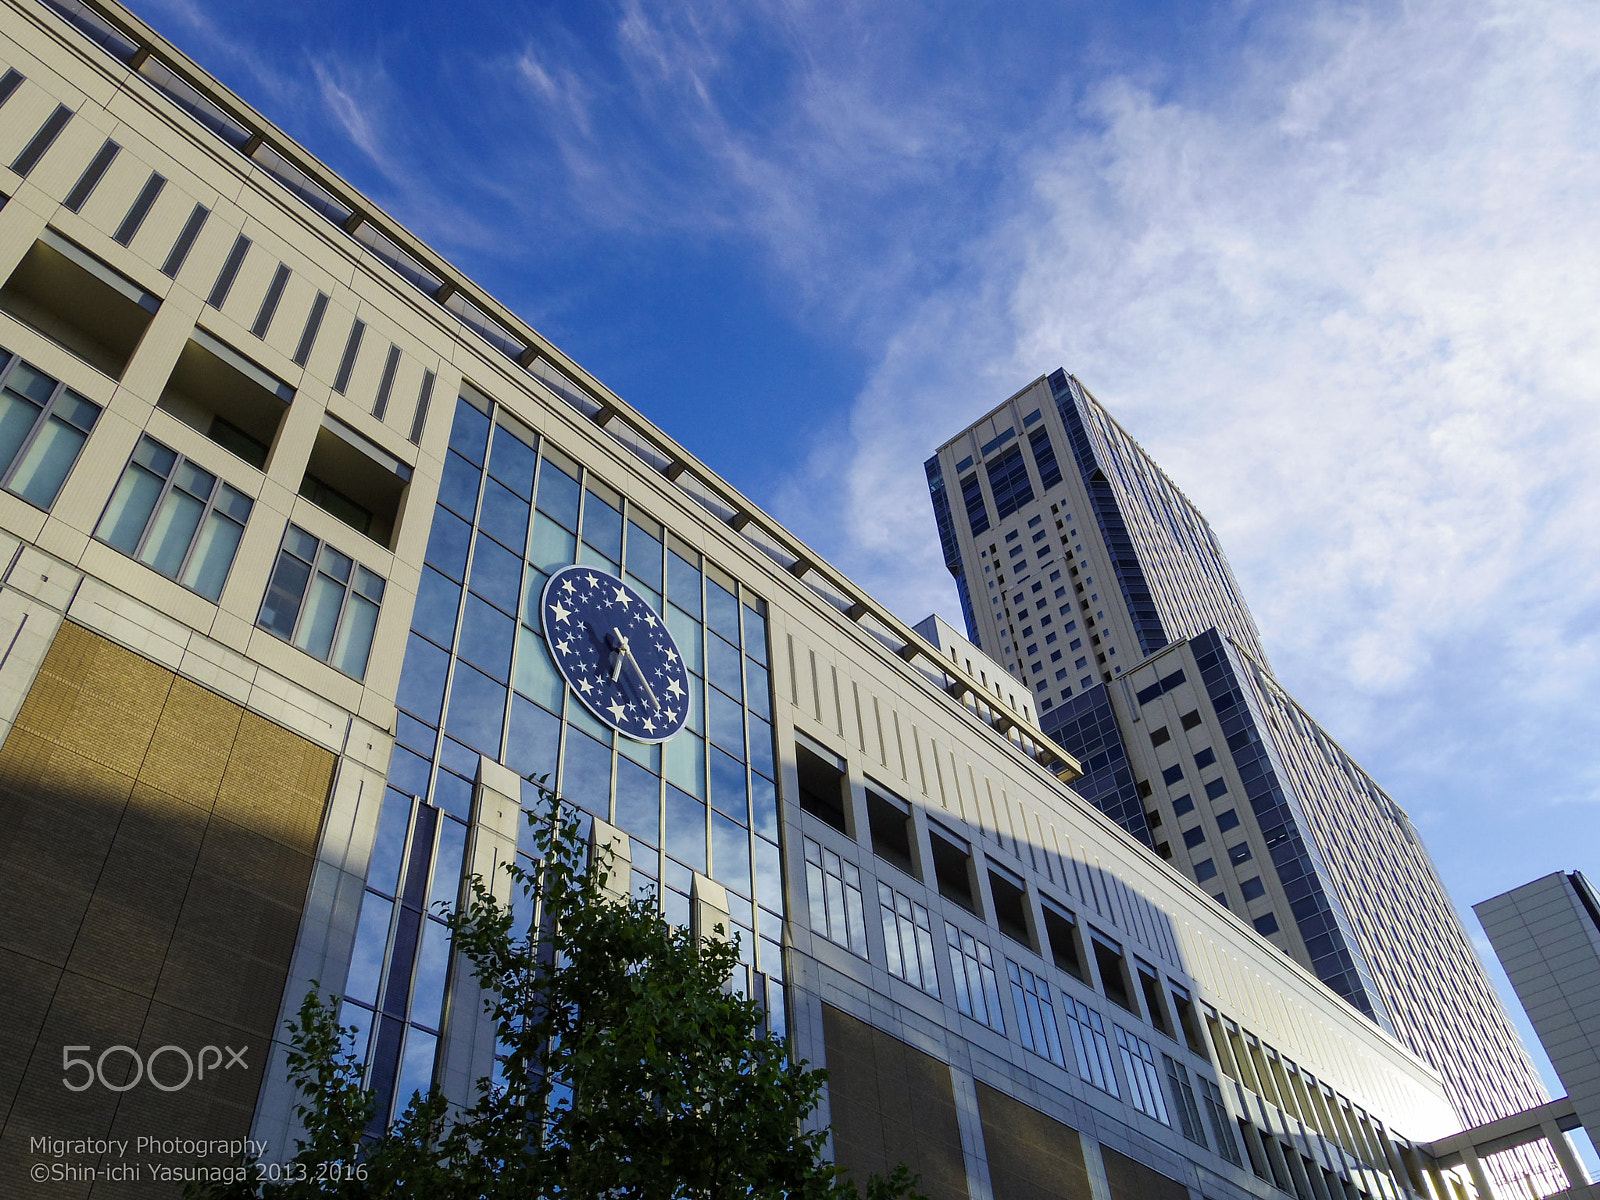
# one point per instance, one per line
(1348, 302)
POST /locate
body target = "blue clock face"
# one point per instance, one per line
(616, 653)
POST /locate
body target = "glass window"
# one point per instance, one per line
(755, 635)
(448, 542)
(504, 517)
(908, 939)
(602, 526)
(730, 853)
(537, 677)
(684, 761)
(1089, 1045)
(422, 679)
(728, 791)
(683, 584)
(761, 747)
(644, 557)
(723, 665)
(323, 602)
(638, 801)
(1036, 1016)
(497, 574)
(586, 774)
(486, 635)
(438, 600)
(469, 431)
(534, 741)
(176, 519)
(558, 495)
(764, 806)
(687, 632)
(43, 425)
(1144, 1083)
(1240, 853)
(1253, 888)
(512, 461)
(758, 691)
(1205, 869)
(1183, 1100)
(686, 828)
(1266, 925)
(977, 989)
(722, 611)
(833, 887)
(726, 719)
(551, 546)
(458, 485)
(768, 875)
(477, 710)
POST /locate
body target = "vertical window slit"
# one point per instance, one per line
(380, 406)
(230, 272)
(42, 141)
(347, 364)
(424, 395)
(140, 209)
(308, 336)
(269, 302)
(186, 239)
(92, 174)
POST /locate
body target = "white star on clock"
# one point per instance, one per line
(623, 598)
(561, 614)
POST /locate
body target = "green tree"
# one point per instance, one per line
(629, 1067)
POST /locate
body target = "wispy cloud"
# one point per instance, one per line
(1346, 299)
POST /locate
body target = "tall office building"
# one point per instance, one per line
(1103, 590)
(296, 525)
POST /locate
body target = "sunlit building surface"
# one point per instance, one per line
(280, 492)
(1105, 594)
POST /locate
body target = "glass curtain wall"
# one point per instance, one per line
(478, 679)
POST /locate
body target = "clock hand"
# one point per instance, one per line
(617, 653)
(616, 670)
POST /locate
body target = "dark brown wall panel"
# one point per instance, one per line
(1132, 1180)
(157, 845)
(891, 1103)
(1031, 1156)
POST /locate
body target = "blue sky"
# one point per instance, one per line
(1335, 266)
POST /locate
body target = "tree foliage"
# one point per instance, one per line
(628, 1067)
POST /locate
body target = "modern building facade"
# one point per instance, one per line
(1104, 591)
(1546, 935)
(281, 493)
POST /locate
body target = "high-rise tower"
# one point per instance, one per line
(1093, 579)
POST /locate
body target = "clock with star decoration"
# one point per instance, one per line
(615, 652)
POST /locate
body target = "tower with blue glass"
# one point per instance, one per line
(1085, 571)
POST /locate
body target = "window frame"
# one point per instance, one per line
(344, 604)
(10, 360)
(208, 506)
